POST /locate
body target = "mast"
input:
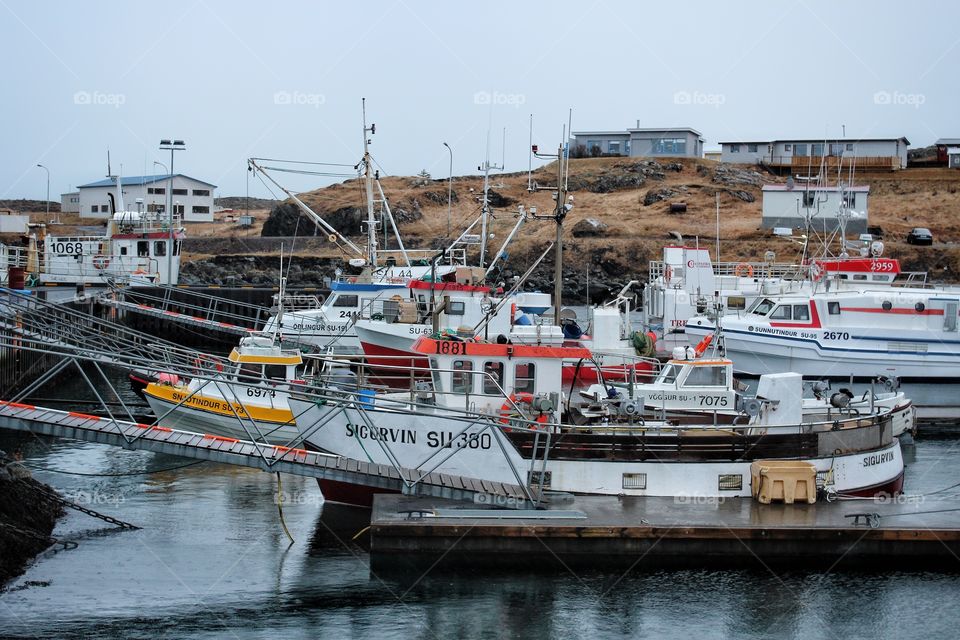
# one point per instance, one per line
(368, 185)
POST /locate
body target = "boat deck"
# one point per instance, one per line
(647, 532)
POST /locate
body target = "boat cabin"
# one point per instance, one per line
(259, 357)
(490, 377)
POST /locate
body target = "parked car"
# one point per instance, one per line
(919, 235)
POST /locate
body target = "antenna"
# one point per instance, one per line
(530, 158)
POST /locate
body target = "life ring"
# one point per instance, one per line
(703, 344)
(507, 409)
(743, 268)
(101, 262)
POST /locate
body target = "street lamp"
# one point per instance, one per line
(171, 145)
(449, 188)
(48, 191)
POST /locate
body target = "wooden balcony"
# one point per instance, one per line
(812, 164)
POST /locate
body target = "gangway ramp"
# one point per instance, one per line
(176, 316)
(269, 458)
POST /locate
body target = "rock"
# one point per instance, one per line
(440, 197)
(589, 228)
(498, 200)
(740, 194)
(674, 166)
(734, 176)
(657, 195)
(287, 220)
(404, 212)
(606, 183)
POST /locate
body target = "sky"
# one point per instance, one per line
(285, 80)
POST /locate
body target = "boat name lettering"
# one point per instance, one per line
(349, 314)
(713, 401)
(420, 331)
(776, 332)
(453, 440)
(255, 392)
(878, 458)
(678, 323)
(208, 403)
(319, 326)
(383, 434)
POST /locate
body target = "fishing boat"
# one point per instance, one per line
(497, 412)
(693, 385)
(247, 399)
(137, 248)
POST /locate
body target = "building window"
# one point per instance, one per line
(849, 146)
(670, 146)
(788, 147)
(179, 192)
(178, 208)
(154, 208)
(836, 149)
(816, 149)
(159, 191)
(593, 147)
(74, 199)
(94, 208)
(200, 209)
(734, 148)
(800, 149)
(613, 147)
(626, 148)
(201, 192)
(752, 148)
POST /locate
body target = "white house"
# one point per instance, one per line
(805, 156)
(70, 202)
(787, 205)
(953, 157)
(192, 198)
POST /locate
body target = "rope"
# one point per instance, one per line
(283, 522)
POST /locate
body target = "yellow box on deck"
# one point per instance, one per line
(786, 481)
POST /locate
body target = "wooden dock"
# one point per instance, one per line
(656, 532)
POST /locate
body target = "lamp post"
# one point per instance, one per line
(171, 145)
(449, 188)
(48, 191)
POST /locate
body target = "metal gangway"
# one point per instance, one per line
(186, 306)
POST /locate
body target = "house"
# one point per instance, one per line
(805, 157)
(192, 198)
(943, 151)
(638, 142)
(70, 202)
(953, 157)
(789, 205)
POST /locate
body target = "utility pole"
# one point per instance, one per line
(47, 218)
(560, 211)
(368, 181)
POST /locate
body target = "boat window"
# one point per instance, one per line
(493, 380)
(462, 376)
(801, 312)
(669, 374)
(143, 248)
(276, 371)
(762, 306)
(736, 302)
(160, 248)
(781, 313)
(950, 316)
(176, 248)
(523, 377)
(455, 309)
(250, 370)
(123, 251)
(833, 308)
(859, 276)
(345, 301)
(714, 376)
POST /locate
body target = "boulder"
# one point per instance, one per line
(589, 228)
(657, 195)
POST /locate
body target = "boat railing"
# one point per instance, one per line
(101, 265)
(784, 270)
(912, 279)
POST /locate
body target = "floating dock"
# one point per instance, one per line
(656, 532)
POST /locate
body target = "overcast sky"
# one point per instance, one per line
(284, 80)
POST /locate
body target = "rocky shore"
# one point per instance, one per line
(26, 520)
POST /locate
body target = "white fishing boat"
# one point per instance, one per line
(246, 400)
(136, 248)
(497, 412)
(697, 387)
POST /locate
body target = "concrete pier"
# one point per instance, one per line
(654, 532)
